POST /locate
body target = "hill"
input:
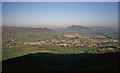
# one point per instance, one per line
(26, 29)
(74, 29)
(77, 27)
(59, 62)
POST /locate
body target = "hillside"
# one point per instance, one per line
(25, 29)
(77, 27)
(57, 62)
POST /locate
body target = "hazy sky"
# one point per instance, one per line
(59, 14)
(60, 0)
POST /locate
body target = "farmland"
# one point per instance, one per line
(26, 41)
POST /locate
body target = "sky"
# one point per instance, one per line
(59, 14)
(60, 0)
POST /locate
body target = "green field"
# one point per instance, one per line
(12, 49)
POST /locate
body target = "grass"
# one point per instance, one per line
(21, 49)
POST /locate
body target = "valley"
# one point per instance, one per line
(19, 41)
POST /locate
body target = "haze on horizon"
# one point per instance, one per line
(59, 14)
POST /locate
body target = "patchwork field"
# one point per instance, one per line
(22, 41)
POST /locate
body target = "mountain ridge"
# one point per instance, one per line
(77, 27)
(26, 29)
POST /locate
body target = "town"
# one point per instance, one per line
(75, 40)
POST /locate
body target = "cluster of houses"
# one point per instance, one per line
(75, 40)
(68, 40)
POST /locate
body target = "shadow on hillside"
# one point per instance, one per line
(57, 62)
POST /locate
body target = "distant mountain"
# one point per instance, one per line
(26, 29)
(103, 27)
(74, 29)
(77, 27)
